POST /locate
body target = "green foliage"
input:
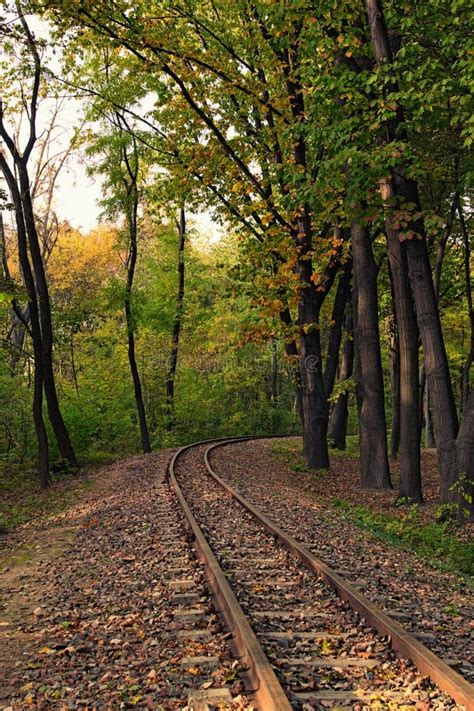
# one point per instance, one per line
(436, 541)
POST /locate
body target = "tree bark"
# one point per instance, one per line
(410, 464)
(436, 362)
(465, 461)
(465, 382)
(44, 304)
(429, 435)
(274, 375)
(130, 321)
(375, 473)
(340, 411)
(178, 318)
(291, 351)
(36, 336)
(335, 334)
(395, 383)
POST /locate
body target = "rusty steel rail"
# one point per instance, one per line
(446, 678)
(260, 679)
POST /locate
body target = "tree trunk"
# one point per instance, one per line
(36, 337)
(340, 411)
(335, 334)
(465, 461)
(429, 435)
(436, 362)
(315, 406)
(55, 416)
(395, 383)
(274, 375)
(131, 265)
(291, 351)
(465, 382)
(177, 323)
(375, 473)
(410, 465)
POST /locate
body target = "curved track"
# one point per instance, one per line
(308, 638)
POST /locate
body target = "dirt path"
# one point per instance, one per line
(104, 606)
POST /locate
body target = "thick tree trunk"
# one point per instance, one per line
(375, 473)
(178, 318)
(130, 321)
(335, 334)
(54, 413)
(340, 411)
(436, 362)
(410, 465)
(435, 357)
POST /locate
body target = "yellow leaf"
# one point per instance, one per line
(193, 670)
(46, 650)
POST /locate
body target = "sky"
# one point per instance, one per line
(78, 193)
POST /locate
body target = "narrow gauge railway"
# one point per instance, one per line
(307, 638)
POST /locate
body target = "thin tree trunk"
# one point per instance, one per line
(465, 461)
(73, 363)
(274, 375)
(421, 280)
(291, 351)
(340, 411)
(465, 383)
(429, 434)
(131, 265)
(178, 318)
(335, 334)
(395, 383)
(36, 336)
(54, 412)
(375, 473)
(421, 398)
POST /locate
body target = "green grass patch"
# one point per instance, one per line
(436, 542)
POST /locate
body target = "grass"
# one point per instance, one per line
(436, 542)
(432, 537)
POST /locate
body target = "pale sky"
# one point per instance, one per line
(77, 194)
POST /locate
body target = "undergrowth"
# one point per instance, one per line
(434, 541)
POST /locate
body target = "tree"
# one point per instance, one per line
(33, 272)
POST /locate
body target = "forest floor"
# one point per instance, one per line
(96, 601)
(90, 610)
(399, 557)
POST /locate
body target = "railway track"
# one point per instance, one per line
(307, 637)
